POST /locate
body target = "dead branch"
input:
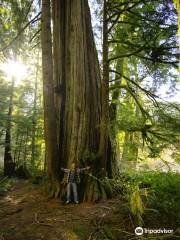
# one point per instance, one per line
(36, 221)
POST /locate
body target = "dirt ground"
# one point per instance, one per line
(27, 214)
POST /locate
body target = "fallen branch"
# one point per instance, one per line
(36, 221)
(15, 211)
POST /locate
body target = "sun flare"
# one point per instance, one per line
(14, 69)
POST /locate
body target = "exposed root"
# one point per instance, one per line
(95, 189)
(91, 189)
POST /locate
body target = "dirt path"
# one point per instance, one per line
(26, 214)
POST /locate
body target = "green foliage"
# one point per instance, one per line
(162, 191)
(114, 186)
(25, 122)
(143, 54)
(5, 185)
(130, 192)
(135, 197)
(158, 132)
(149, 194)
(80, 231)
(88, 157)
(39, 179)
(27, 143)
(127, 119)
(136, 204)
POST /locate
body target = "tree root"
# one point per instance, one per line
(95, 190)
(91, 189)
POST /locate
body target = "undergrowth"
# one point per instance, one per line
(152, 199)
(5, 185)
(163, 193)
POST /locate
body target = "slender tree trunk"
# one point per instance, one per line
(130, 150)
(103, 149)
(177, 5)
(16, 145)
(34, 118)
(48, 92)
(25, 149)
(9, 165)
(113, 165)
(19, 150)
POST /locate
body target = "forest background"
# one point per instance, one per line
(130, 132)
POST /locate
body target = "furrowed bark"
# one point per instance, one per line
(77, 80)
(78, 97)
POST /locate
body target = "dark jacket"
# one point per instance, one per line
(77, 173)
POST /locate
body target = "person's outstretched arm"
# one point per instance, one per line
(65, 170)
(83, 169)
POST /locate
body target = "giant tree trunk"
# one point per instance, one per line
(77, 79)
(78, 91)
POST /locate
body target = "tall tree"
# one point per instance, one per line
(77, 79)
(105, 94)
(48, 92)
(77, 91)
(9, 166)
(34, 115)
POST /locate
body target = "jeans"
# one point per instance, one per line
(73, 186)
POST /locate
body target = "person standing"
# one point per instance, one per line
(73, 178)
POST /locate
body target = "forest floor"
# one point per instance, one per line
(27, 214)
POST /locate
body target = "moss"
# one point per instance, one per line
(95, 189)
(108, 232)
(81, 231)
(96, 193)
(6, 184)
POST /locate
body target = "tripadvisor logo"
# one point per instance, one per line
(139, 231)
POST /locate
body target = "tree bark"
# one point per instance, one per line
(48, 93)
(113, 169)
(77, 81)
(9, 165)
(78, 96)
(16, 145)
(19, 151)
(105, 96)
(34, 118)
